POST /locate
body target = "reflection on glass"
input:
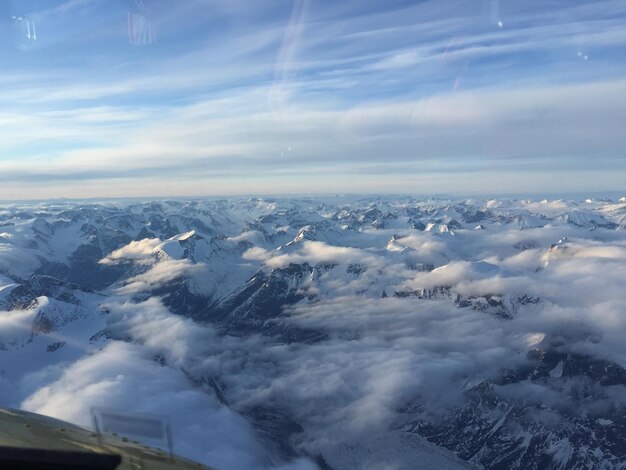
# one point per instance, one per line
(141, 30)
(147, 428)
(24, 32)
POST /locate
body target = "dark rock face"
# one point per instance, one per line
(180, 299)
(25, 295)
(258, 305)
(275, 428)
(84, 268)
(501, 427)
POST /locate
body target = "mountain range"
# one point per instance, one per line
(327, 332)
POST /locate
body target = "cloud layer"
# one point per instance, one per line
(343, 341)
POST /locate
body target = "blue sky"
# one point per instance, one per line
(308, 96)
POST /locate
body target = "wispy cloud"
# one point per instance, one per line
(263, 96)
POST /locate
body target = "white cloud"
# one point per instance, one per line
(161, 273)
(16, 327)
(142, 250)
(312, 252)
(123, 376)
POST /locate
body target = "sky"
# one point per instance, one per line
(154, 98)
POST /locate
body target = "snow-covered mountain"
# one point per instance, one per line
(327, 333)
